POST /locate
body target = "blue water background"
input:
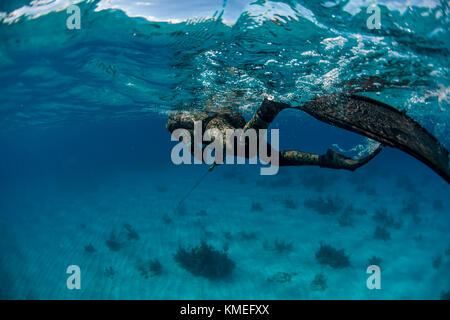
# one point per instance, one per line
(84, 149)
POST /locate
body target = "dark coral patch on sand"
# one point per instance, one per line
(205, 261)
(327, 255)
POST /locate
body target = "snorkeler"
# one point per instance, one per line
(362, 115)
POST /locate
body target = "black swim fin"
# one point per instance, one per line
(383, 123)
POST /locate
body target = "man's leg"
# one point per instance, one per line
(268, 111)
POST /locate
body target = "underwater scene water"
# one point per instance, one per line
(86, 176)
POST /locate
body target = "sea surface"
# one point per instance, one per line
(85, 157)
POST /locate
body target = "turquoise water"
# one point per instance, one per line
(84, 149)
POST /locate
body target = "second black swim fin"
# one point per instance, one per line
(383, 123)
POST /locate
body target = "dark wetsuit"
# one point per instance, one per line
(362, 115)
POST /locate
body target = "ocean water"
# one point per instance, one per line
(85, 153)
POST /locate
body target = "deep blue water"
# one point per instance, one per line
(84, 149)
